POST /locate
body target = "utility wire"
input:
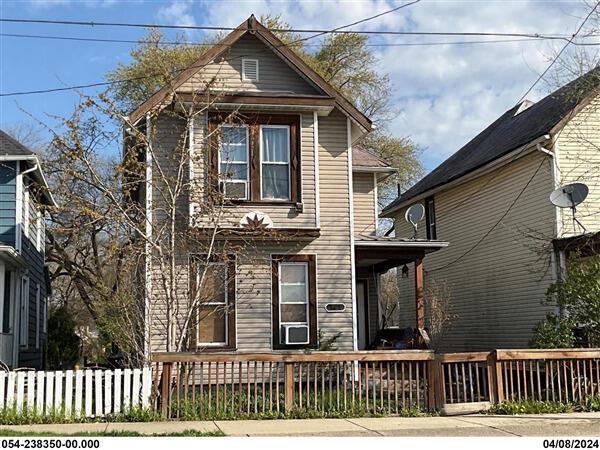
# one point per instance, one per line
(340, 30)
(109, 83)
(530, 180)
(202, 44)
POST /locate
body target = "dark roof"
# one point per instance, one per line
(506, 134)
(10, 146)
(364, 158)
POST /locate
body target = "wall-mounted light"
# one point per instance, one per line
(404, 271)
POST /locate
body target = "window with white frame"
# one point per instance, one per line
(24, 319)
(233, 161)
(275, 162)
(37, 314)
(40, 239)
(213, 290)
(294, 295)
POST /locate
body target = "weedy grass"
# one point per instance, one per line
(29, 416)
(185, 433)
(590, 404)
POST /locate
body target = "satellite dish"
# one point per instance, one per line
(414, 215)
(569, 196)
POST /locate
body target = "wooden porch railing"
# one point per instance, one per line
(190, 385)
(378, 382)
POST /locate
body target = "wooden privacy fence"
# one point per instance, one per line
(386, 382)
(81, 393)
(373, 382)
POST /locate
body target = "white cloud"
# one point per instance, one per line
(178, 12)
(445, 94)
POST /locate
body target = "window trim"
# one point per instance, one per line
(24, 312)
(254, 120)
(196, 260)
(431, 227)
(288, 164)
(38, 297)
(311, 264)
(26, 218)
(247, 181)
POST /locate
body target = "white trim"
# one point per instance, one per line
(316, 167)
(376, 204)
(16, 314)
(403, 244)
(306, 296)
(26, 212)
(352, 255)
(148, 246)
(38, 294)
(24, 308)
(236, 180)
(18, 206)
(244, 60)
(191, 169)
(2, 299)
(289, 162)
(506, 159)
(373, 169)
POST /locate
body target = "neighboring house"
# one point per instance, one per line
(490, 200)
(24, 196)
(295, 169)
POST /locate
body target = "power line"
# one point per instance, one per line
(108, 83)
(202, 44)
(339, 30)
(530, 180)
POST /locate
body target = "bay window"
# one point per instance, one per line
(294, 301)
(255, 158)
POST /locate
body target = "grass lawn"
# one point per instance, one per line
(185, 433)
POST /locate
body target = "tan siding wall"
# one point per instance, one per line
(498, 287)
(579, 161)
(225, 73)
(253, 278)
(364, 203)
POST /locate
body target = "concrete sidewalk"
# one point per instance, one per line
(575, 424)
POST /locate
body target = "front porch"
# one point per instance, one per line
(375, 256)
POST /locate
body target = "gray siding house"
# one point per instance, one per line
(24, 196)
(491, 201)
(312, 272)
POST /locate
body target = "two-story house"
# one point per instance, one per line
(24, 195)
(491, 200)
(277, 142)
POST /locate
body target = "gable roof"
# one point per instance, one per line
(365, 159)
(509, 132)
(11, 149)
(253, 26)
(9, 146)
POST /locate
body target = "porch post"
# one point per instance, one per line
(419, 295)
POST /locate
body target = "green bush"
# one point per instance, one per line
(28, 416)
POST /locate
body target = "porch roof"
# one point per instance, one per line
(587, 244)
(384, 252)
(10, 257)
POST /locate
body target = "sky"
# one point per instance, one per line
(443, 95)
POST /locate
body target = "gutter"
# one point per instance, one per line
(520, 151)
(36, 167)
(404, 244)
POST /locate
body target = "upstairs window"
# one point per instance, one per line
(233, 161)
(257, 158)
(275, 162)
(430, 218)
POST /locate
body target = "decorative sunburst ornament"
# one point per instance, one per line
(256, 220)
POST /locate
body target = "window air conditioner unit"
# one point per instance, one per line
(295, 334)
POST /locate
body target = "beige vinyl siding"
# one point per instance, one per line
(226, 72)
(253, 269)
(364, 203)
(578, 147)
(497, 287)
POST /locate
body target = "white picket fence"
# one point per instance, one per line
(89, 393)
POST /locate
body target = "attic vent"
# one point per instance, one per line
(525, 104)
(249, 69)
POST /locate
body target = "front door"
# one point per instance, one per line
(362, 314)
